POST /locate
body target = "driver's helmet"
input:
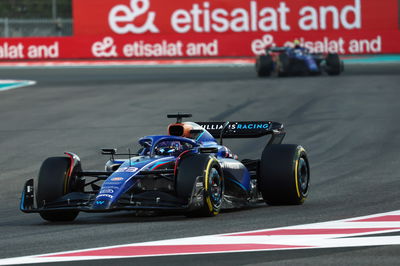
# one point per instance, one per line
(296, 44)
(168, 147)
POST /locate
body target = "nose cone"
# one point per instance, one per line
(102, 203)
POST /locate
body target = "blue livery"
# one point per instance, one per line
(288, 61)
(187, 170)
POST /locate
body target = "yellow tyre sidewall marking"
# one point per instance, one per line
(296, 178)
(300, 150)
(206, 176)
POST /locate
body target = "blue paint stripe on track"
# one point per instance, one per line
(13, 84)
(8, 85)
(377, 59)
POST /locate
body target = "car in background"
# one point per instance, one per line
(293, 61)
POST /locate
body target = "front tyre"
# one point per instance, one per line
(264, 65)
(54, 181)
(284, 174)
(283, 65)
(202, 174)
(333, 64)
(213, 189)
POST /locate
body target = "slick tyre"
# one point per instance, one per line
(284, 174)
(333, 64)
(54, 182)
(283, 65)
(264, 65)
(197, 168)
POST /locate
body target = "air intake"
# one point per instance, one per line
(176, 130)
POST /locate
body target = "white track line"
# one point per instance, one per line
(340, 233)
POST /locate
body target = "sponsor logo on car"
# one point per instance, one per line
(252, 126)
(236, 126)
(117, 178)
(107, 183)
(105, 195)
(100, 202)
(127, 169)
(217, 126)
(232, 165)
(132, 169)
(106, 191)
(105, 186)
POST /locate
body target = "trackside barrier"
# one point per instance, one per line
(118, 29)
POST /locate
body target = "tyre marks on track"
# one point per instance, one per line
(355, 232)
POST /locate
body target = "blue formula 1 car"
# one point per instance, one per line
(288, 61)
(186, 171)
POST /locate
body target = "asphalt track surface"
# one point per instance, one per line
(348, 124)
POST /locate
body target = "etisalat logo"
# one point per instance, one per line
(122, 14)
(202, 17)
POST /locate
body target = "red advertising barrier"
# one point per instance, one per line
(215, 28)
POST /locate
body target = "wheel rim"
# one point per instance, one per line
(215, 187)
(303, 176)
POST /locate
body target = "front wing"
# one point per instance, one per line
(84, 201)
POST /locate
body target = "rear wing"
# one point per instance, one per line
(277, 49)
(245, 129)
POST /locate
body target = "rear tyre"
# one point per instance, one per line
(284, 174)
(209, 170)
(264, 65)
(54, 181)
(284, 65)
(333, 64)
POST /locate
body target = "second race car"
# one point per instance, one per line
(288, 61)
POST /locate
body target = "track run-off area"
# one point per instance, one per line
(348, 124)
